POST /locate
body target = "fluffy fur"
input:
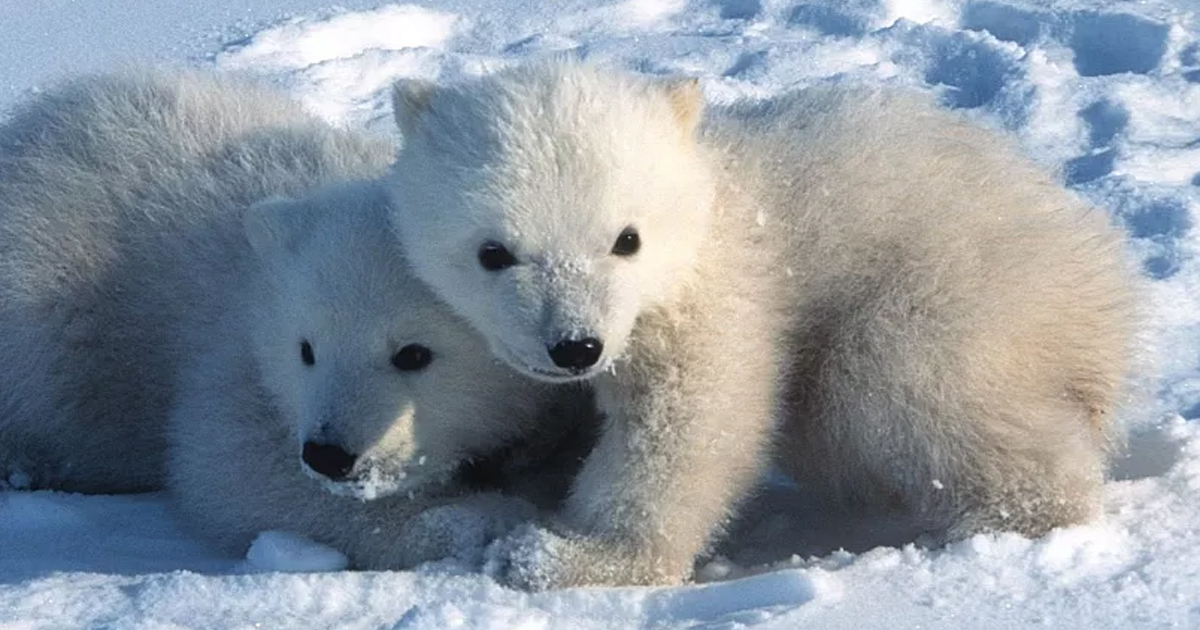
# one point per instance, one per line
(144, 309)
(935, 323)
(120, 205)
(332, 276)
(963, 327)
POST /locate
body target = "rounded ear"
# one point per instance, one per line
(274, 226)
(410, 97)
(687, 100)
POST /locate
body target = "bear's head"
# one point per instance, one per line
(551, 204)
(383, 388)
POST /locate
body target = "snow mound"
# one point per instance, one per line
(286, 552)
(350, 58)
(301, 43)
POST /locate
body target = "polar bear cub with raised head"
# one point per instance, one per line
(936, 324)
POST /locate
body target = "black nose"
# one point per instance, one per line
(577, 354)
(328, 459)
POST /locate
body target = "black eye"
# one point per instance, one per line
(495, 257)
(306, 353)
(628, 243)
(412, 357)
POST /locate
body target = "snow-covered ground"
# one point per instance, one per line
(1107, 91)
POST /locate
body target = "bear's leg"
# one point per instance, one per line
(689, 418)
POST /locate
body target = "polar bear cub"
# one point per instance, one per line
(334, 354)
(120, 236)
(935, 324)
(300, 366)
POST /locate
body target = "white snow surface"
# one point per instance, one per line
(1108, 92)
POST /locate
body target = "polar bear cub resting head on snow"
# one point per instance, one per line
(338, 365)
(386, 387)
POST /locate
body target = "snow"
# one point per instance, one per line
(286, 552)
(1107, 91)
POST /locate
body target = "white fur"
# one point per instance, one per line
(963, 328)
(939, 326)
(332, 274)
(144, 308)
(496, 177)
(120, 204)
